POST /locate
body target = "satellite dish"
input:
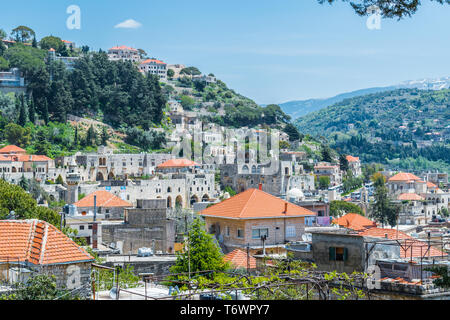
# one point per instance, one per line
(113, 293)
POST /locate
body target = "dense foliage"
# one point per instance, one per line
(389, 127)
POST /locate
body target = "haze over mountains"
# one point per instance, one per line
(301, 108)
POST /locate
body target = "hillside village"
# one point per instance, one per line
(264, 194)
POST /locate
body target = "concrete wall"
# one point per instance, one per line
(321, 242)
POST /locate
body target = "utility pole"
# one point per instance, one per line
(248, 258)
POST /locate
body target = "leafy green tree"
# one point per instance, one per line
(202, 252)
(14, 198)
(17, 135)
(343, 163)
(273, 114)
(383, 209)
(327, 153)
(26, 58)
(31, 111)
(187, 102)
(59, 180)
(23, 34)
(339, 207)
(23, 183)
(50, 42)
(91, 137)
(389, 9)
(42, 146)
(40, 287)
(170, 73)
(292, 131)
(104, 136)
(193, 71)
(4, 64)
(22, 120)
(324, 182)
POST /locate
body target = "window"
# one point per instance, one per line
(338, 254)
(240, 233)
(90, 227)
(81, 227)
(258, 233)
(290, 231)
(227, 231)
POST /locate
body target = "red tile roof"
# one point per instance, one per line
(404, 176)
(33, 158)
(407, 242)
(153, 60)
(178, 163)
(238, 259)
(104, 199)
(123, 48)
(410, 197)
(355, 222)
(38, 242)
(431, 185)
(12, 149)
(352, 159)
(255, 204)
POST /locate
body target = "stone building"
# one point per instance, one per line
(106, 165)
(146, 226)
(124, 53)
(106, 204)
(34, 247)
(243, 219)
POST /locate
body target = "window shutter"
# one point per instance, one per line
(345, 254)
(332, 253)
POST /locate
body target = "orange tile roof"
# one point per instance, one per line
(404, 176)
(123, 48)
(104, 199)
(12, 149)
(178, 163)
(354, 221)
(407, 242)
(255, 204)
(238, 259)
(153, 60)
(410, 197)
(38, 242)
(352, 159)
(431, 185)
(33, 158)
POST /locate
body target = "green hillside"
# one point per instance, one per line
(392, 127)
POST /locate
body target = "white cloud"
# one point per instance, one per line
(128, 24)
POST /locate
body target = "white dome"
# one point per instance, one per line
(296, 194)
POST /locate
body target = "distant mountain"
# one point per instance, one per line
(408, 127)
(301, 108)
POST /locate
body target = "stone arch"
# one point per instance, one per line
(111, 176)
(245, 169)
(179, 201)
(194, 199)
(205, 198)
(99, 177)
(169, 202)
(253, 169)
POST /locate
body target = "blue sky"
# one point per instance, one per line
(270, 51)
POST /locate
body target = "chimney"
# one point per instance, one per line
(260, 186)
(285, 207)
(94, 235)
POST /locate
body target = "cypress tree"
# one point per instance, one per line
(22, 112)
(31, 111)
